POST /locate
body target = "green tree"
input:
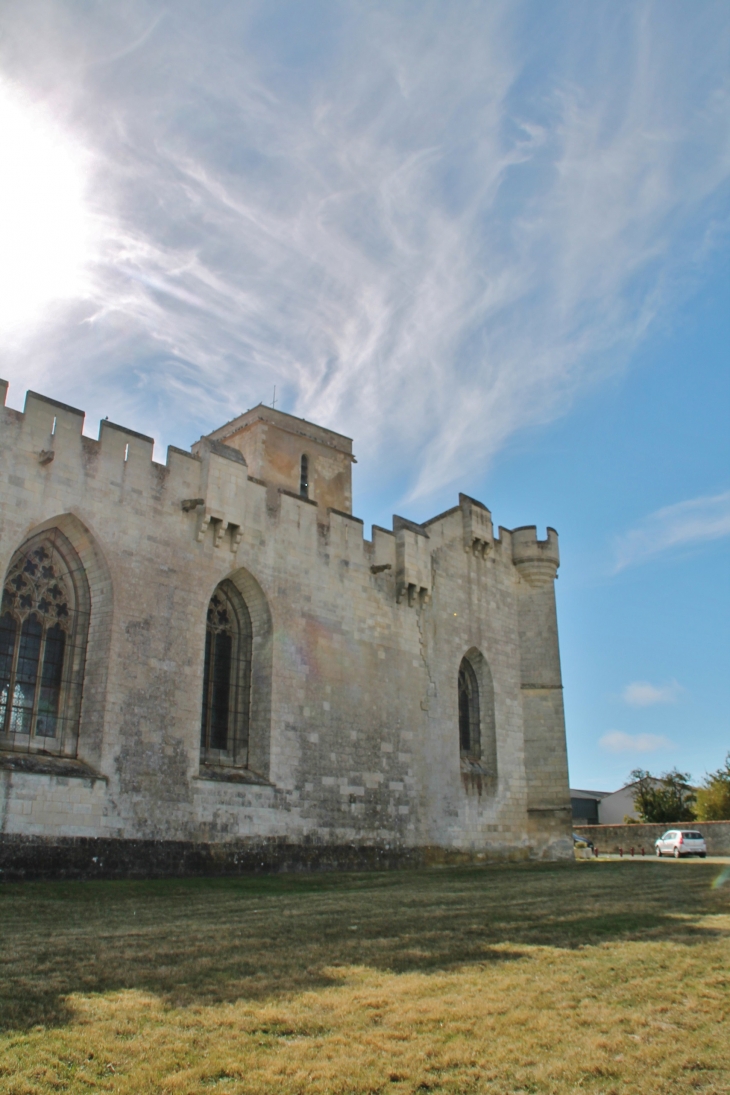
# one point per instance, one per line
(713, 797)
(665, 799)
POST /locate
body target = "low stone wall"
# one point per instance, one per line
(609, 838)
(33, 858)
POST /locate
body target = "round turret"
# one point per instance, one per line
(536, 560)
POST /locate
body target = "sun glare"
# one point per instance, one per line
(45, 228)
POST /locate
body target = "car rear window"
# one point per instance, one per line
(692, 836)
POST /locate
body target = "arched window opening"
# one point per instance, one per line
(304, 476)
(469, 721)
(44, 620)
(226, 709)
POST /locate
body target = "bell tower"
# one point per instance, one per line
(292, 454)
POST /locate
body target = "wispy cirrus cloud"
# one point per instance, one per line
(616, 741)
(686, 523)
(428, 230)
(644, 694)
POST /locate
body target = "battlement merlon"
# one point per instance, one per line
(536, 560)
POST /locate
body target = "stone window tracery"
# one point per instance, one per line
(43, 631)
(226, 705)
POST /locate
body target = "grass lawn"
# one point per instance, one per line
(609, 977)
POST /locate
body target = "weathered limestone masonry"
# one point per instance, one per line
(363, 701)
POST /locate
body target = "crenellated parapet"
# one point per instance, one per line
(536, 560)
(213, 481)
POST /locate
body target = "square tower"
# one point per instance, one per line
(293, 454)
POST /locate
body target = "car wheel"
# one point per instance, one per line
(676, 853)
(658, 853)
(702, 855)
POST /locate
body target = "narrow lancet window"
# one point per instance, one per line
(43, 632)
(469, 722)
(304, 477)
(226, 679)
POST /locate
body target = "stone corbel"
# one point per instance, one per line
(236, 536)
(221, 526)
(413, 594)
(205, 516)
(203, 522)
(479, 548)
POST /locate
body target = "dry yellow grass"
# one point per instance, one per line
(594, 977)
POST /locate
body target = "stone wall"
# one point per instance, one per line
(357, 645)
(609, 838)
(33, 859)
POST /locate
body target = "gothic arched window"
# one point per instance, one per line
(304, 476)
(226, 710)
(469, 720)
(44, 621)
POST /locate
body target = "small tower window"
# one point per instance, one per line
(304, 477)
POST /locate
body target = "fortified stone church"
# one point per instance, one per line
(204, 665)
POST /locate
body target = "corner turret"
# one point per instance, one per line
(546, 761)
(536, 560)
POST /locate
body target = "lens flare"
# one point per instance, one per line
(722, 878)
(45, 227)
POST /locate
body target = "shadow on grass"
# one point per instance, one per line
(205, 941)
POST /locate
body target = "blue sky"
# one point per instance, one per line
(487, 240)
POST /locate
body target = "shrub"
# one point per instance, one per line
(667, 799)
(713, 797)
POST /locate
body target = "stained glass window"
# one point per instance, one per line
(41, 623)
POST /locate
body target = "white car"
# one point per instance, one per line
(679, 842)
